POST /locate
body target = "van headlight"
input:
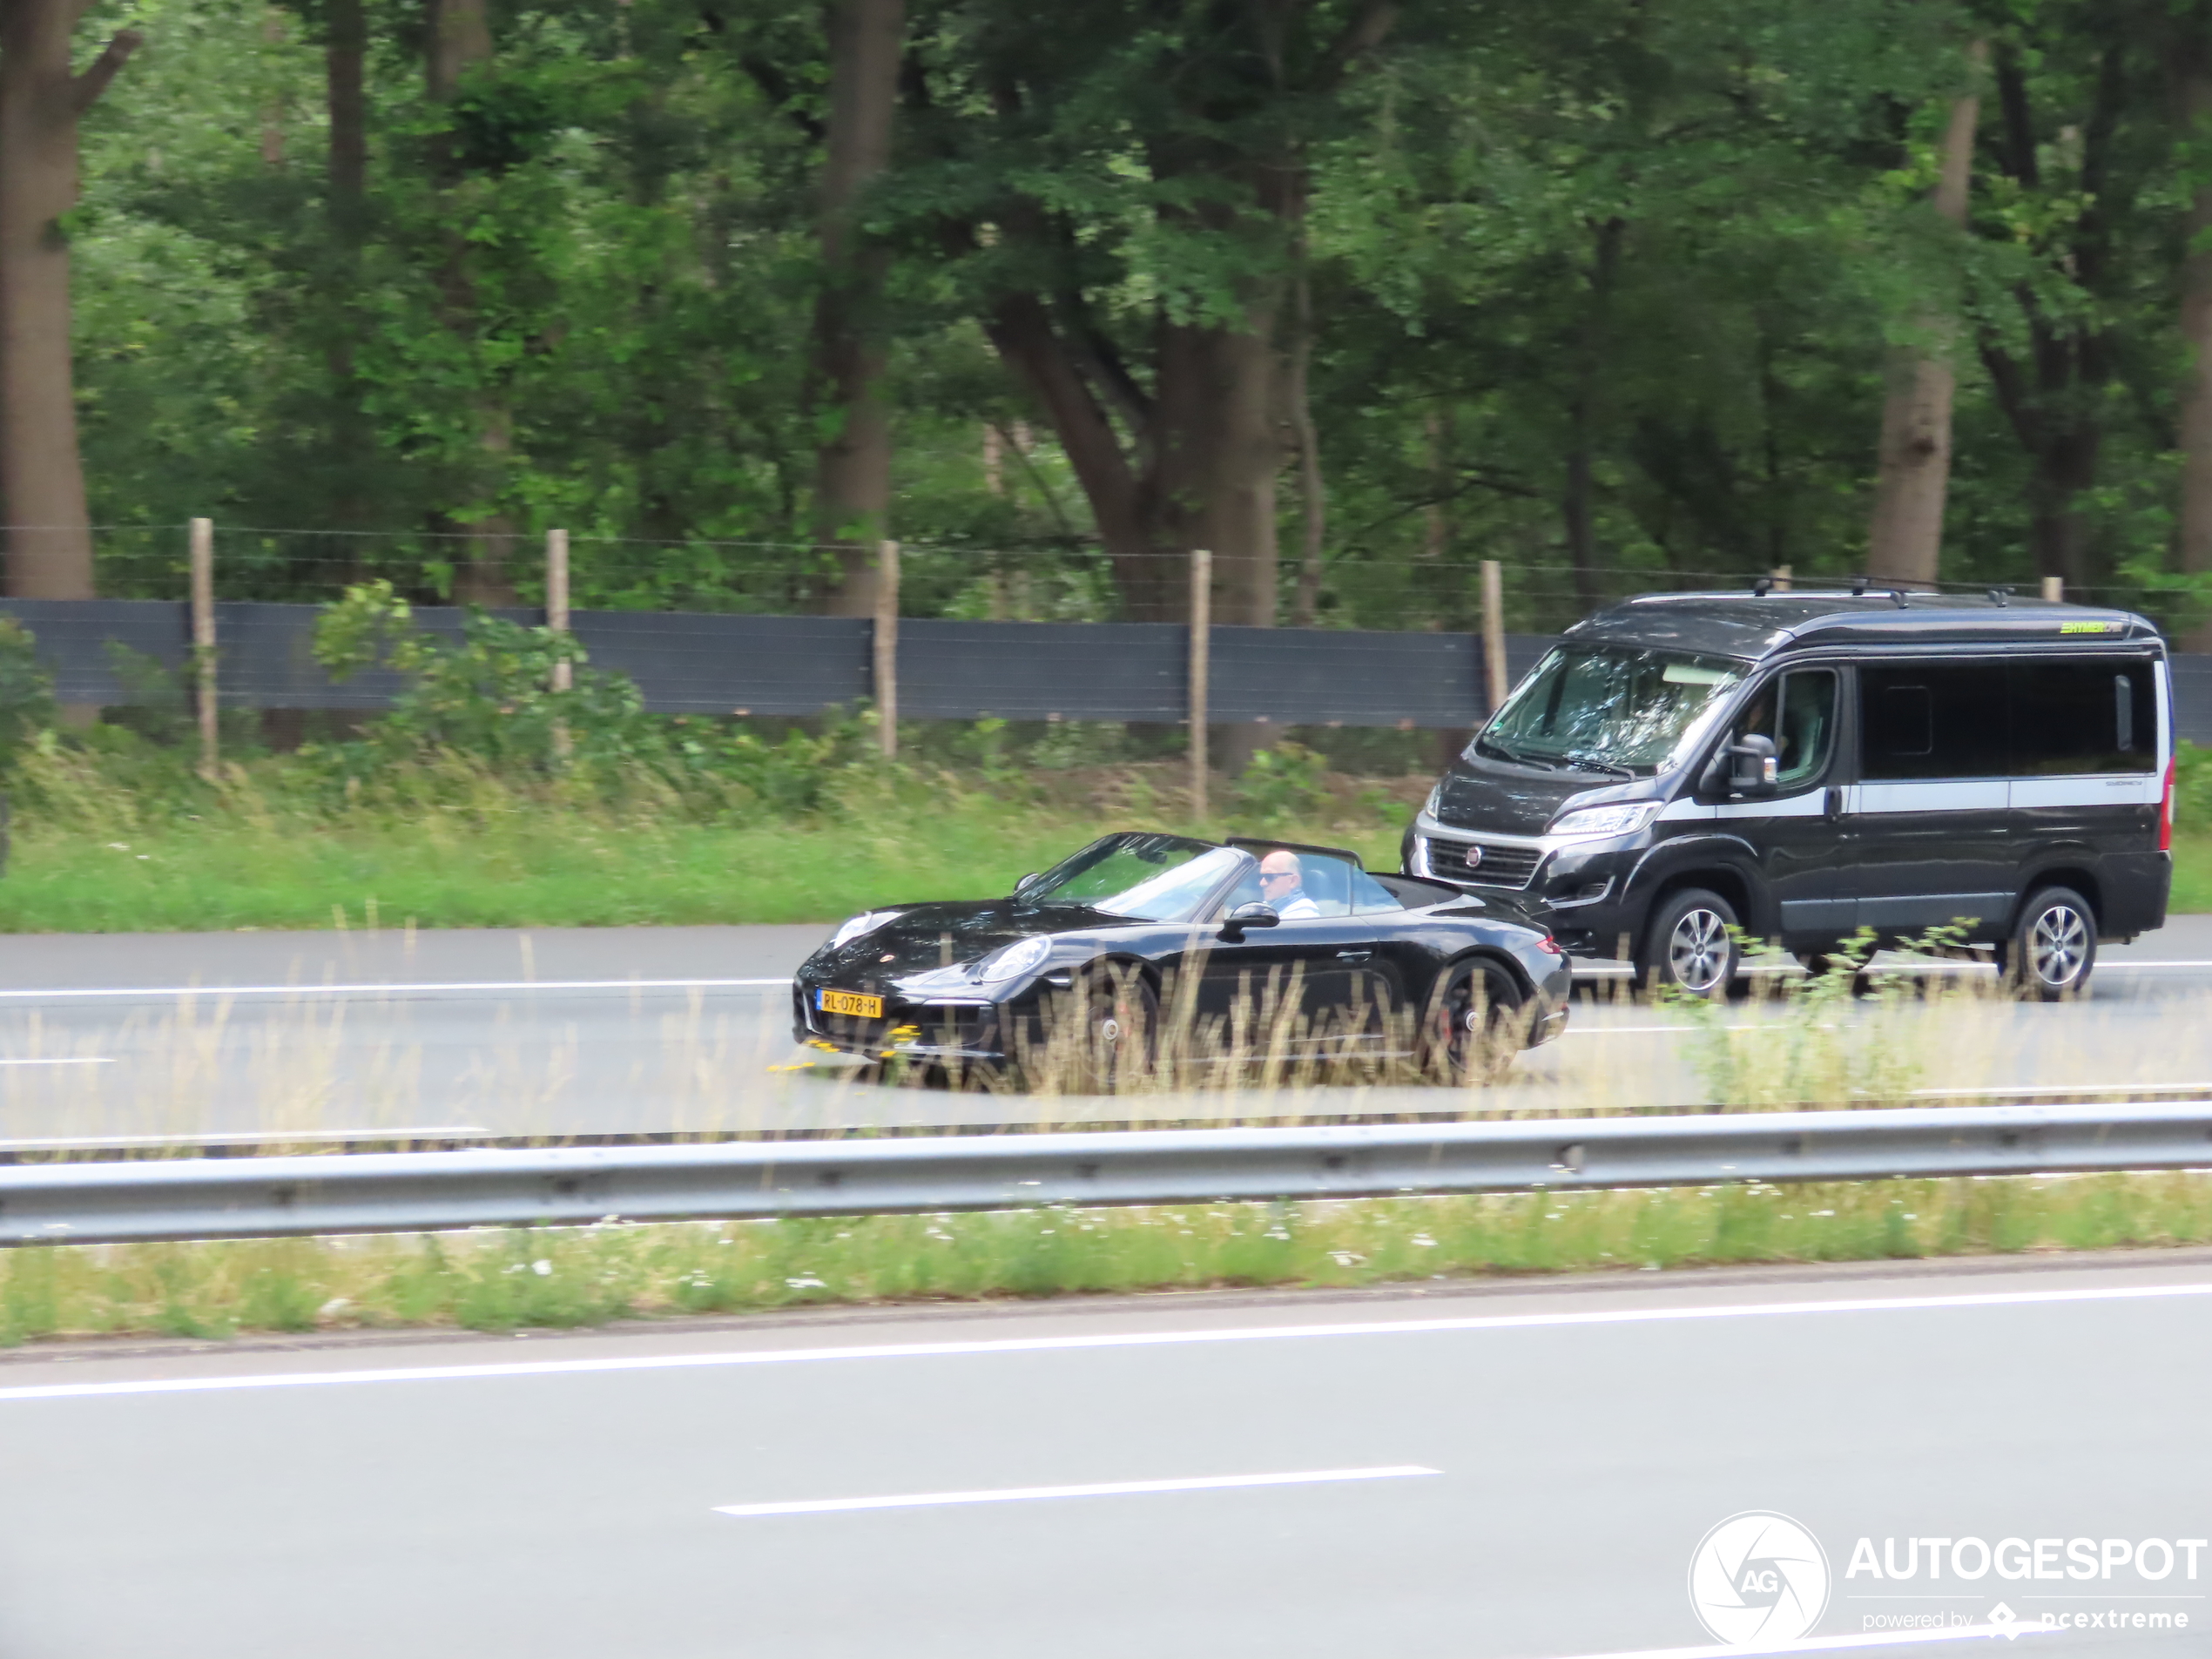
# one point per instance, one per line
(1623, 818)
(1435, 799)
(866, 922)
(1015, 961)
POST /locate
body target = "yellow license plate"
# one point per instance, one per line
(868, 1007)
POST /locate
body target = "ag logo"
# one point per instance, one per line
(1758, 1577)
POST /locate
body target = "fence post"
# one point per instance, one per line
(1493, 633)
(1780, 576)
(2054, 588)
(887, 651)
(203, 638)
(556, 601)
(1201, 665)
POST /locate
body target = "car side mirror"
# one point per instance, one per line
(1248, 916)
(1023, 885)
(1745, 770)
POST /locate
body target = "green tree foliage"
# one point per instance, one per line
(1601, 288)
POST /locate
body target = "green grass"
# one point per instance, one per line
(454, 846)
(575, 1276)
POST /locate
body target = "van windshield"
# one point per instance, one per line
(1610, 709)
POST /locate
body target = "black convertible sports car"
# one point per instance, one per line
(1223, 932)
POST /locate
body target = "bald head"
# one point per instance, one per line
(1281, 877)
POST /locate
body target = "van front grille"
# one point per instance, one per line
(1489, 864)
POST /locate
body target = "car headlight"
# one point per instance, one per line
(1623, 818)
(866, 922)
(1015, 961)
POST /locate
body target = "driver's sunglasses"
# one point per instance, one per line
(1275, 876)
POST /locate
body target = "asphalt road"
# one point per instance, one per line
(565, 1031)
(1520, 1470)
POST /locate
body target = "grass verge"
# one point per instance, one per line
(501, 1279)
(458, 846)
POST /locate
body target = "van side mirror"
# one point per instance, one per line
(1248, 916)
(1753, 766)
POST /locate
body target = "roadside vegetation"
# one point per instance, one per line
(498, 1280)
(484, 799)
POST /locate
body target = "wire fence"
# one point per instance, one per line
(1067, 580)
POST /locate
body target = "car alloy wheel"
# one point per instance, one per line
(1698, 951)
(2052, 947)
(2058, 945)
(1472, 1026)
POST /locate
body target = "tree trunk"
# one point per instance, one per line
(1577, 505)
(49, 537)
(458, 40)
(1913, 469)
(2193, 75)
(345, 74)
(852, 464)
(1314, 500)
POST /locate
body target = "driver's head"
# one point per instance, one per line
(1279, 876)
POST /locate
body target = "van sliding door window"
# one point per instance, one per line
(2072, 717)
(1933, 720)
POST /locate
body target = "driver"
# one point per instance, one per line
(1282, 887)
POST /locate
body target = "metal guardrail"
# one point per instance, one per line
(100, 1203)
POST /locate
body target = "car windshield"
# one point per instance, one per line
(1147, 877)
(1610, 709)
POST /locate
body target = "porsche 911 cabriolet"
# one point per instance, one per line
(1271, 942)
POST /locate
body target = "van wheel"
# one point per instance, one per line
(2052, 947)
(1690, 946)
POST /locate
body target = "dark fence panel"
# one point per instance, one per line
(103, 651)
(686, 663)
(1037, 671)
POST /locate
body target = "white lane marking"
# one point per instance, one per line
(2017, 1092)
(461, 986)
(74, 1060)
(1841, 1644)
(1101, 1489)
(1120, 1340)
(246, 1137)
(1622, 1031)
(2128, 964)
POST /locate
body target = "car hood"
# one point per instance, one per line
(925, 936)
(1480, 795)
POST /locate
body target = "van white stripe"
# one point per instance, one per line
(1939, 795)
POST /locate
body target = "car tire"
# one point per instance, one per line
(1120, 1032)
(2052, 947)
(1691, 946)
(1474, 1025)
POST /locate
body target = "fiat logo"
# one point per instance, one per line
(1472, 855)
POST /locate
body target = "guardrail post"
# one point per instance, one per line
(887, 651)
(2054, 588)
(1493, 633)
(1201, 668)
(1780, 576)
(203, 640)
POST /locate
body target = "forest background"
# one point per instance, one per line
(1355, 293)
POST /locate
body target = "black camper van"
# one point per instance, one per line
(1801, 765)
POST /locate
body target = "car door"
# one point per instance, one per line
(1931, 808)
(1798, 834)
(1319, 947)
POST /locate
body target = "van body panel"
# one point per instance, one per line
(1977, 749)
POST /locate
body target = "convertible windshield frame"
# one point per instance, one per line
(1182, 889)
(1628, 709)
